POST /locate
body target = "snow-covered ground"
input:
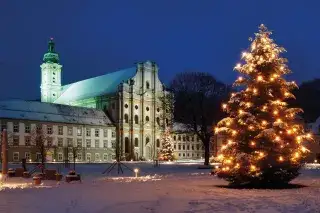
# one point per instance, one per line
(179, 187)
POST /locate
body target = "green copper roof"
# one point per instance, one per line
(51, 56)
(94, 87)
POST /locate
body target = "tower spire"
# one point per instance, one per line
(51, 56)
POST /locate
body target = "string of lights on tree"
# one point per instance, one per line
(262, 132)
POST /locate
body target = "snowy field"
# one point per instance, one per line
(179, 187)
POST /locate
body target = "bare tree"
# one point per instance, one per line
(75, 150)
(197, 99)
(167, 107)
(39, 139)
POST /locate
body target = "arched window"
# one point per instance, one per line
(147, 85)
(136, 119)
(147, 118)
(136, 107)
(126, 145)
(136, 142)
(167, 121)
(158, 143)
(174, 138)
(179, 138)
(126, 105)
(126, 118)
(147, 140)
(158, 121)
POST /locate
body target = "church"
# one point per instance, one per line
(130, 98)
(122, 110)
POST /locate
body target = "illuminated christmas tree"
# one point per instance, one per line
(166, 152)
(265, 138)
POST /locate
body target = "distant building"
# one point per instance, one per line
(315, 146)
(186, 144)
(64, 127)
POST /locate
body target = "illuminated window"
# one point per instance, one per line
(96, 143)
(79, 131)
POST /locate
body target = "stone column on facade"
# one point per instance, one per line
(4, 152)
(154, 111)
(141, 70)
(131, 120)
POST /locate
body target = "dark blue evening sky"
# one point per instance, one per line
(100, 36)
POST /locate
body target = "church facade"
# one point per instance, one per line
(130, 98)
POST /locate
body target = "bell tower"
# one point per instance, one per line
(50, 75)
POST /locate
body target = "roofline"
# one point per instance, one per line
(80, 124)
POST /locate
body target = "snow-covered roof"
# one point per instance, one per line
(47, 112)
(93, 87)
(179, 127)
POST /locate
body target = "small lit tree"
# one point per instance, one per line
(167, 152)
(264, 137)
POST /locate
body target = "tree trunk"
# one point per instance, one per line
(42, 163)
(74, 164)
(206, 152)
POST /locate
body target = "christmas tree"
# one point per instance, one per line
(167, 151)
(265, 138)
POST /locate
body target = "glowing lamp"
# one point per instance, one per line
(280, 158)
(315, 161)
(252, 167)
(253, 143)
(260, 78)
(224, 106)
(240, 78)
(136, 172)
(238, 66)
